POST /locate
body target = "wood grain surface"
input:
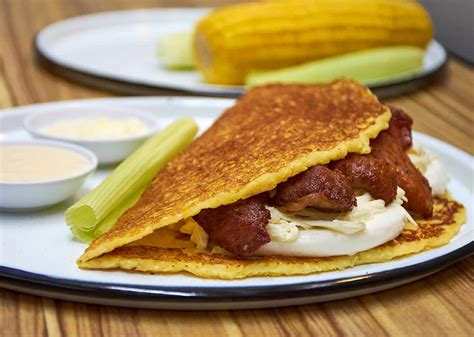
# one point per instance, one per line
(440, 305)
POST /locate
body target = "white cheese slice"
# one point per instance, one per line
(380, 228)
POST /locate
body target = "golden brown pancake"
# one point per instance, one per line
(144, 256)
(272, 133)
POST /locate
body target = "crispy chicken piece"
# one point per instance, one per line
(317, 187)
(369, 173)
(240, 227)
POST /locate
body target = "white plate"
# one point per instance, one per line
(117, 51)
(38, 252)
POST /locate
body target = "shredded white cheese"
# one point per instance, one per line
(285, 227)
(379, 229)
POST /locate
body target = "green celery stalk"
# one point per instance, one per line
(367, 66)
(97, 211)
(175, 51)
(109, 221)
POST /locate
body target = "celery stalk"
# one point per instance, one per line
(109, 221)
(175, 51)
(98, 211)
(367, 66)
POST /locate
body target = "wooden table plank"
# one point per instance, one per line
(439, 305)
(433, 306)
(445, 109)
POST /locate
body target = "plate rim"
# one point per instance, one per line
(118, 84)
(247, 293)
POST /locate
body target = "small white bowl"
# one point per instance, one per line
(108, 151)
(25, 196)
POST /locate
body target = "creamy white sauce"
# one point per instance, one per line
(30, 163)
(96, 128)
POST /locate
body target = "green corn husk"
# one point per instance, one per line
(366, 66)
(175, 51)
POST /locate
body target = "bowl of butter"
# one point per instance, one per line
(111, 133)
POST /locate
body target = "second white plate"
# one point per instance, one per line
(117, 51)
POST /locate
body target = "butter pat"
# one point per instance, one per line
(198, 236)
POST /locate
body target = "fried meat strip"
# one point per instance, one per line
(388, 166)
(369, 173)
(240, 227)
(400, 127)
(318, 187)
(388, 149)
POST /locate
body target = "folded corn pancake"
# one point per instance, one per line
(273, 133)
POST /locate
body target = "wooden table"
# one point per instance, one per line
(439, 305)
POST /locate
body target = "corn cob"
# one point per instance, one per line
(235, 40)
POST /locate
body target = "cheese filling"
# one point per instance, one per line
(368, 225)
